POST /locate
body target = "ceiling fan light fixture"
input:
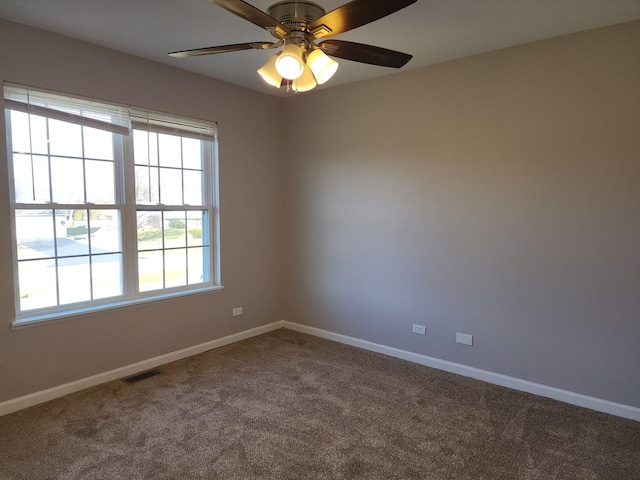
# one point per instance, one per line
(290, 64)
(305, 82)
(297, 24)
(322, 66)
(269, 73)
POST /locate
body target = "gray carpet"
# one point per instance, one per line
(290, 406)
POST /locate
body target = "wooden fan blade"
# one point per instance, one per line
(354, 14)
(254, 15)
(362, 53)
(222, 49)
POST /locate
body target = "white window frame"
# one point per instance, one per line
(125, 120)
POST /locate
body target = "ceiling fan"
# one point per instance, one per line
(302, 64)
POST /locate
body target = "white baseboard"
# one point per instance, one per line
(593, 403)
(35, 398)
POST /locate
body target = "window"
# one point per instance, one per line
(110, 204)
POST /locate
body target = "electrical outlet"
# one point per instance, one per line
(237, 311)
(464, 338)
(420, 329)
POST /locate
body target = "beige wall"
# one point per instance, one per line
(44, 356)
(497, 195)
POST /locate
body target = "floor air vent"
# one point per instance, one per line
(142, 376)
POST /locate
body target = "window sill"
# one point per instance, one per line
(35, 320)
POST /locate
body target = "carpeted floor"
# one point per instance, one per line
(286, 405)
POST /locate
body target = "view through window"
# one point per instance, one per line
(107, 211)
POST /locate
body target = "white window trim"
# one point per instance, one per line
(125, 191)
(35, 320)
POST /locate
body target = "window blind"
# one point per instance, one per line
(172, 125)
(83, 111)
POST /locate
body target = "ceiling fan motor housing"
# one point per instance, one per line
(296, 15)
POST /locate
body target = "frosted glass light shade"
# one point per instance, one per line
(290, 64)
(305, 82)
(269, 73)
(321, 65)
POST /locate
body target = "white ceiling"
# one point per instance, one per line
(432, 31)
